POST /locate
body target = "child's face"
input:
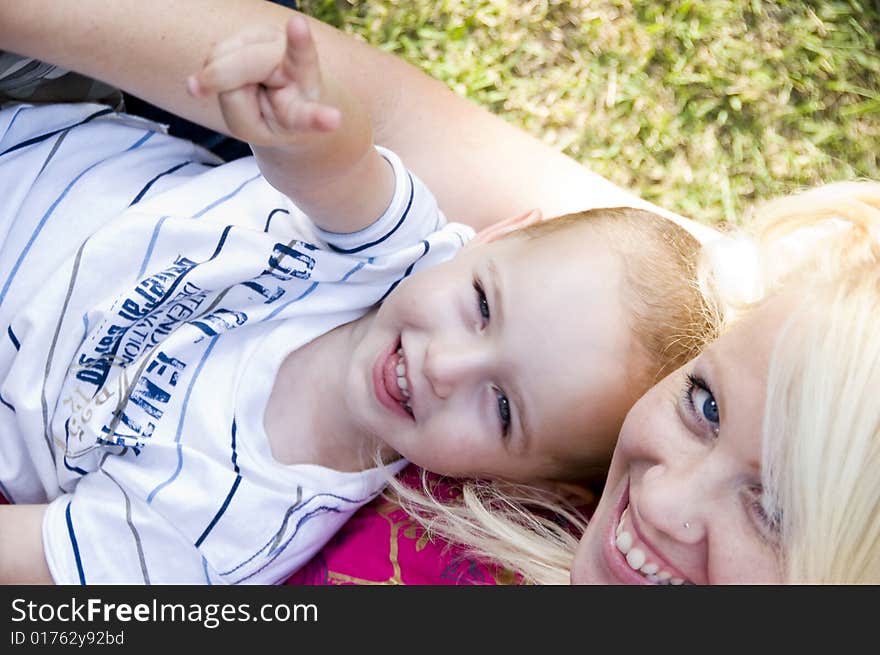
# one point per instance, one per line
(516, 357)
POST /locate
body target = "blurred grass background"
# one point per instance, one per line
(701, 107)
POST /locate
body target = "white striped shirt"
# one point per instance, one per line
(147, 297)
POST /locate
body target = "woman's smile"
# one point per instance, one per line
(640, 556)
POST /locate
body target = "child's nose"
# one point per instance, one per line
(450, 364)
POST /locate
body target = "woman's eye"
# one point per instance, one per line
(503, 411)
(769, 522)
(701, 401)
(482, 301)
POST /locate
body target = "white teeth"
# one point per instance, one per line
(620, 523)
(650, 568)
(635, 558)
(400, 369)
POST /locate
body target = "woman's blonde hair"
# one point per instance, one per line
(821, 429)
(534, 530)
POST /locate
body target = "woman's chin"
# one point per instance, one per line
(592, 559)
(585, 563)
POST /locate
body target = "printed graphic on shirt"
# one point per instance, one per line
(123, 358)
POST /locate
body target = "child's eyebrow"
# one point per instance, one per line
(496, 290)
(522, 416)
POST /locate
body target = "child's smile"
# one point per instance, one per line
(390, 383)
(471, 369)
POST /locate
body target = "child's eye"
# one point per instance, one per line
(701, 402)
(482, 301)
(503, 411)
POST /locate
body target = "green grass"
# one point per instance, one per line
(701, 107)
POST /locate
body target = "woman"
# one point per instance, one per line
(702, 497)
(757, 462)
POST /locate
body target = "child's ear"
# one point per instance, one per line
(508, 225)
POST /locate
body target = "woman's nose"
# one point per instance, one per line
(449, 364)
(671, 501)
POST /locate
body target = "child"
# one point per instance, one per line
(200, 388)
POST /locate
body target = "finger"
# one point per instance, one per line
(241, 111)
(267, 110)
(289, 112)
(249, 37)
(300, 61)
(308, 117)
(226, 48)
(325, 118)
(251, 64)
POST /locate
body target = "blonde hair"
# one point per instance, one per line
(671, 320)
(530, 531)
(821, 429)
(533, 530)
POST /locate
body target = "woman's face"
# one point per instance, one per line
(682, 501)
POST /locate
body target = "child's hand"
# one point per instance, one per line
(269, 85)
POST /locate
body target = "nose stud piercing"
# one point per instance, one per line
(686, 525)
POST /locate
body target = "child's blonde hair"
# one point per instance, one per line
(671, 321)
(534, 530)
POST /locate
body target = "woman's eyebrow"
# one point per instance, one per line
(715, 377)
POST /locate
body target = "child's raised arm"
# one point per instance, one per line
(455, 146)
(312, 140)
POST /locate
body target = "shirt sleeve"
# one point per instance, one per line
(101, 534)
(108, 532)
(410, 217)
